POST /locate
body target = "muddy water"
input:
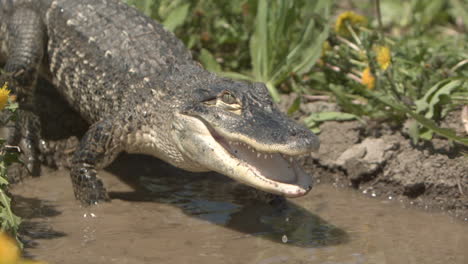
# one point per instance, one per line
(178, 217)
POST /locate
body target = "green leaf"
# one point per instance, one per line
(295, 105)
(209, 61)
(329, 116)
(413, 131)
(430, 124)
(315, 119)
(460, 9)
(260, 44)
(273, 91)
(10, 157)
(12, 106)
(12, 221)
(430, 11)
(3, 181)
(316, 130)
(176, 17)
(428, 103)
(426, 134)
(287, 40)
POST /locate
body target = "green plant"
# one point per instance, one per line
(396, 78)
(217, 32)
(9, 222)
(286, 42)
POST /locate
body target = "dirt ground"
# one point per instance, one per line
(373, 158)
(380, 161)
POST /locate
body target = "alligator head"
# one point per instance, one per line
(235, 129)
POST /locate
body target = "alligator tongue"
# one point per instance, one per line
(273, 166)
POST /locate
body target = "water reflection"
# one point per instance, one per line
(219, 200)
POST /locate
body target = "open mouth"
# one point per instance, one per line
(272, 168)
(271, 171)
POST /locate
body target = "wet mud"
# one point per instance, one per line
(160, 214)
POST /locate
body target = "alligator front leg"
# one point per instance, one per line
(25, 46)
(99, 147)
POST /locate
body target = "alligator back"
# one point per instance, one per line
(102, 53)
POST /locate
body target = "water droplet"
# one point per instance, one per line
(284, 239)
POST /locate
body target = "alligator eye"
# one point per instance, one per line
(228, 98)
(228, 101)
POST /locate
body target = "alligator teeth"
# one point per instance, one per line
(266, 156)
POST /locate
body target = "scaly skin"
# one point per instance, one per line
(142, 92)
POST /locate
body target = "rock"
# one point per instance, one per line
(319, 106)
(335, 138)
(365, 158)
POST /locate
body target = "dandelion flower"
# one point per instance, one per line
(4, 93)
(352, 19)
(9, 252)
(383, 56)
(368, 79)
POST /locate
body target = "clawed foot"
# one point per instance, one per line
(89, 189)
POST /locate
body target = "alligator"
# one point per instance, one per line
(142, 92)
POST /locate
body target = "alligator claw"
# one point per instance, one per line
(88, 188)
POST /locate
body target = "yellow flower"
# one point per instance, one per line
(4, 93)
(384, 56)
(9, 252)
(352, 19)
(368, 79)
